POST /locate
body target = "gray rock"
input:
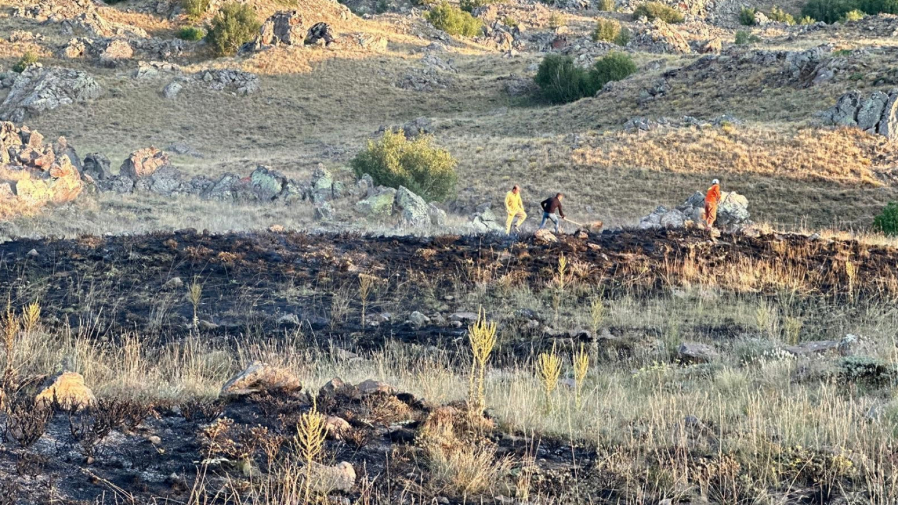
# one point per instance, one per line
(322, 185)
(166, 181)
(888, 123)
(418, 320)
(39, 89)
(324, 212)
(284, 27)
(437, 215)
(413, 208)
(143, 162)
(379, 204)
(171, 90)
(116, 52)
(694, 352)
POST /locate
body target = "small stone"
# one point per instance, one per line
(261, 377)
(69, 390)
(418, 320)
(371, 386)
(173, 283)
(33, 253)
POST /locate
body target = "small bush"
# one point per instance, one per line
(612, 67)
(191, 33)
(747, 16)
(470, 5)
(395, 161)
(606, 5)
(623, 38)
(560, 81)
(657, 10)
(873, 7)
(112, 2)
(779, 15)
(887, 221)
(28, 59)
(743, 37)
(234, 25)
(828, 11)
(556, 21)
(510, 22)
(806, 20)
(454, 21)
(607, 30)
(852, 15)
(195, 8)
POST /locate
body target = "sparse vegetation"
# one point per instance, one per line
(781, 16)
(454, 21)
(607, 30)
(557, 21)
(657, 10)
(747, 16)
(470, 5)
(612, 67)
(395, 161)
(234, 25)
(191, 33)
(743, 37)
(606, 5)
(887, 221)
(195, 9)
(28, 59)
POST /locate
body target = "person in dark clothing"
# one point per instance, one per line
(320, 31)
(552, 210)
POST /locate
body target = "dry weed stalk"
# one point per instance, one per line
(560, 279)
(194, 295)
(851, 272)
(549, 368)
(10, 332)
(596, 314)
(311, 431)
(482, 336)
(792, 325)
(31, 316)
(366, 282)
(581, 367)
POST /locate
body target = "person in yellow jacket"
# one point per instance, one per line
(515, 208)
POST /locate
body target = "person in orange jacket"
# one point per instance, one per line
(712, 200)
(514, 207)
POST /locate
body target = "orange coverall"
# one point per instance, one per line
(712, 199)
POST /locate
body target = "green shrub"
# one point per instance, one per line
(607, 30)
(657, 10)
(395, 161)
(112, 2)
(887, 221)
(234, 25)
(852, 15)
(28, 59)
(454, 21)
(556, 21)
(623, 37)
(611, 67)
(777, 14)
(747, 16)
(195, 8)
(191, 33)
(606, 5)
(470, 5)
(561, 81)
(510, 22)
(862, 369)
(806, 20)
(874, 7)
(828, 11)
(743, 37)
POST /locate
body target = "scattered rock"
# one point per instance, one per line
(485, 221)
(97, 167)
(379, 204)
(418, 320)
(731, 213)
(117, 52)
(337, 427)
(327, 479)
(40, 89)
(370, 387)
(693, 352)
(173, 284)
(143, 163)
(171, 90)
(242, 83)
(260, 377)
(659, 37)
(69, 390)
(545, 236)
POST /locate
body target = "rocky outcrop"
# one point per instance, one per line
(875, 114)
(485, 221)
(143, 163)
(34, 173)
(284, 27)
(40, 89)
(732, 212)
(378, 204)
(413, 209)
(659, 37)
(117, 52)
(238, 81)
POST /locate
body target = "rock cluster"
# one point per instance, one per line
(659, 37)
(284, 27)
(381, 202)
(238, 81)
(40, 89)
(34, 173)
(876, 114)
(732, 212)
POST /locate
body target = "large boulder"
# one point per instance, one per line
(259, 377)
(379, 204)
(732, 212)
(876, 114)
(33, 172)
(68, 390)
(414, 210)
(117, 52)
(97, 167)
(40, 89)
(485, 221)
(143, 163)
(284, 27)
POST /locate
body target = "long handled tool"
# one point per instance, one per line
(593, 226)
